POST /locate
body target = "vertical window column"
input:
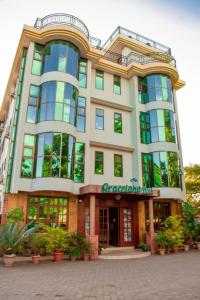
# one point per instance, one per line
(117, 85)
(118, 165)
(83, 73)
(99, 81)
(33, 103)
(117, 122)
(27, 166)
(37, 60)
(99, 163)
(99, 118)
(79, 162)
(81, 114)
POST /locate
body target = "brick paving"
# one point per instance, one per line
(176, 276)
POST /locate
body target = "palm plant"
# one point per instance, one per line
(12, 235)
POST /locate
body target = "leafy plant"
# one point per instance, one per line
(174, 231)
(87, 247)
(14, 216)
(76, 241)
(37, 244)
(12, 235)
(162, 239)
(189, 221)
(55, 238)
(75, 252)
(144, 247)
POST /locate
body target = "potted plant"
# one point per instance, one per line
(174, 232)
(74, 253)
(144, 247)
(162, 242)
(87, 248)
(36, 244)
(75, 245)
(56, 241)
(11, 236)
(189, 223)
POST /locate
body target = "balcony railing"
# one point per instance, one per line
(56, 19)
(133, 35)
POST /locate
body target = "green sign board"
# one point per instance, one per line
(106, 188)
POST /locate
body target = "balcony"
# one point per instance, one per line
(69, 20)
(133, 35)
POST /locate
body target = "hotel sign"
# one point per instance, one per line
(106, 188)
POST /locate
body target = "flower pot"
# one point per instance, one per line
(162, 251)
(73, 258)
(86, 257)
(36, 259)
(9, 260)
(58, 255)
(175, 249)
(186, 248)
(168, 250)
(198, 245)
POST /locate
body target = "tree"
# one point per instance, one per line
(192, 183)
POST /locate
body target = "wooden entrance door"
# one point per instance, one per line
(103, 227)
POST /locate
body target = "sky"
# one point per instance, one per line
(174, 23)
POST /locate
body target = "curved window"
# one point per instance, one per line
(58, 102)
(161, 169)
(61, 56)
(155, 87)
(157, 125)
(55, 155)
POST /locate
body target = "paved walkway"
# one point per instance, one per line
(176, 276)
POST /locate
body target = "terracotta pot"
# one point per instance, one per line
(162, 251)
(168, 250)
(58, 255)
(73, 258)
(86, 257)
(9, 260)
(175, 249)
(36, 259)
(186, 248)
(198, 245)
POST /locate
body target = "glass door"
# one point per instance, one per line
(103, 227)
(127, 226)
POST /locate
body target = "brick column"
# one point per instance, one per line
(141, 220)
(151, 226)
(72, 213)
(93, 238)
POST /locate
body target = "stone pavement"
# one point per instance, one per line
(176, 276)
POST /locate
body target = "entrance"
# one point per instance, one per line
(114, 220)
(109, 225)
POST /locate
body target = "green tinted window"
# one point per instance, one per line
(117, 122)
(116, 84)
(37, 60)
(81, 114)
(27, 165)
(99, 82)
(99, 164)
(118, 165)
(83, 73)
(99, 118)
(79, 163)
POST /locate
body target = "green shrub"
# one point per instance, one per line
(173, 231)
(15, 216)
(162, 239)
(55, 239)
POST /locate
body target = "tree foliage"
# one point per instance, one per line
(192, 183)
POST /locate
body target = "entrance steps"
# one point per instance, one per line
(123, 253)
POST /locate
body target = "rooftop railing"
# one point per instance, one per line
(133, 35)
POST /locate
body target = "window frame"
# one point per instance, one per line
(114, 84)
(99, 76)
(99, 116)
(78, 114)
(27, 156)
(117, 164)
(97, 161)
(119, 120)
(83, 73)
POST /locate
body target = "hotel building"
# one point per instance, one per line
(90, 135)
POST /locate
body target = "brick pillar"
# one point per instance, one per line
(93, 238)
(72, 214)
(141, 220)
(173, 207)
(151, 227)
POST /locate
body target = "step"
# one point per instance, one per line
(124, 254)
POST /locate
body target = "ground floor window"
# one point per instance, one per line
(49, 211)
(161, 211)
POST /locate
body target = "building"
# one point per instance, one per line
(90, 132)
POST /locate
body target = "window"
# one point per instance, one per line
(99, 163)
(61, 56)
(161, 169)
(27, 165)
(155, 87)
(157, 126)
(99, 118)
(50, 211)
(117, 84)
(118, 165)
(37, 60)
(147, 171)
(81, 114)
(99, 83)
(145, 134)
(79, 163)
(58, 102)
(55, 155)
(127, 212)
(161, 211)
(83, 73)
(117, 122)
(33, 103)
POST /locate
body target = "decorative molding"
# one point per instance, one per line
(112, 146)
(111, 104)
